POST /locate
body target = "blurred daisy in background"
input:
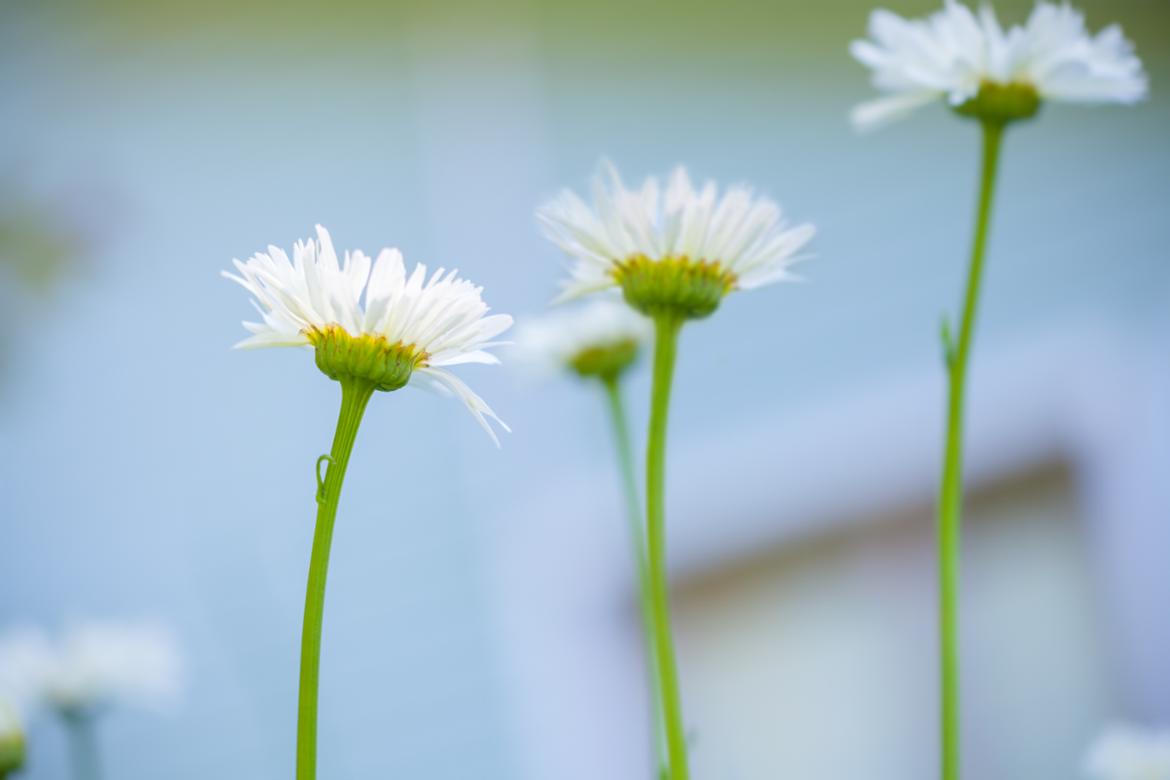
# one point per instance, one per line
(90, 666)
(1128, 753)
(596, 339)
(997, 77)
(955, 53)
(11, 739)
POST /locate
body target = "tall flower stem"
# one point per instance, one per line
(625, 452)
(951, 493)
(355, 395)
(83, 748)
(666, 328)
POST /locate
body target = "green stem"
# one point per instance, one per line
(354, 397)
(951, 499)
(83, 748)
(621, 434)
(665, 347)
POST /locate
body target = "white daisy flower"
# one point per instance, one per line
(957, 54)
(1125, 753)
(368, 320)
(600, 338)
(11, 739)
(92, 665)
(674, 246)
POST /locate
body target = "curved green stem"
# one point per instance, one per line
(83, 747)
(621, 435)
(354, 397)
(951, 493)
(665, 347)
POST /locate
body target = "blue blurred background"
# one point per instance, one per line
(151, 471)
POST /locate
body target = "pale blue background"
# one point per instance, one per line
(149, 470)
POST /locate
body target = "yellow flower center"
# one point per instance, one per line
(366, 357)
(675, 286)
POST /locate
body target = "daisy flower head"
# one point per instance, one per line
(90, 666)
(1127, 753)
(601, 338)
(675, 249)
(11, 738)
(993, 74)
(369, 321)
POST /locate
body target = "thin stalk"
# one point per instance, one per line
(354, 397)
(951, 493)
(625, 452)
(665, 348)
(83, 748)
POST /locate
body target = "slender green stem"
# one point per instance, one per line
(665, 347)
(354, 397)
(951, 498)
(621, 435)
(83, 747)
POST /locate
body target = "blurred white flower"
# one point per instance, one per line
(417, 325)
(10, 725)
(1126, 753)
(955, 52)
(93, 664)
(590, 339)
(11, 738)
(739, 237)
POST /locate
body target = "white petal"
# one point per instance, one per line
(447, 383)
(881, 111)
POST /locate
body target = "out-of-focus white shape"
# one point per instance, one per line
(955, 51)
(1128, 753)
(11, 739)
(550, 343)
(10, 723)
(91, 665)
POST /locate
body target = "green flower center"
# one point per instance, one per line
(368, 358)
(1002, 103)
(605, 361)
(675, 286)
